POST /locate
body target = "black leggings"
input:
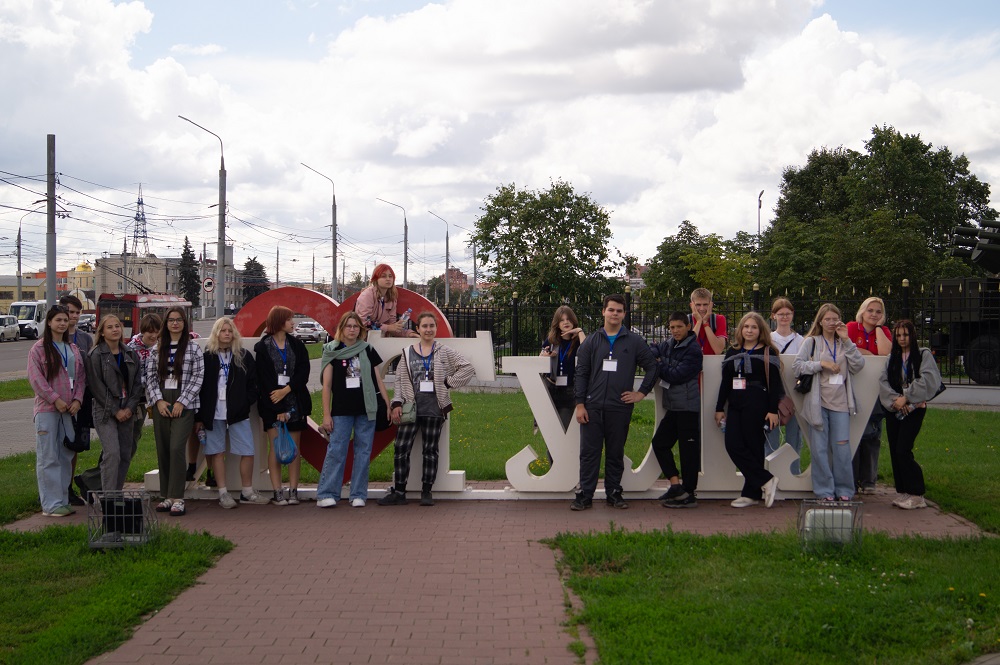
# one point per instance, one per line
(745, 441)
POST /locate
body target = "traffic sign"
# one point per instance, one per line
(209, 284)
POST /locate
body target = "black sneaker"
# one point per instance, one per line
(675, 492)
(615, 500)
(74, 498)
(393, 498)
(689, 501)
(426, 499)
(581, 503)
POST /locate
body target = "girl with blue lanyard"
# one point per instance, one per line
(564, 338)
(113, 374)
(228, 393)
(174, 373)
(57, 375)
(283, 378)
(751, 388)
(829, 354)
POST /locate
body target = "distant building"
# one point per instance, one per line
(31, 289)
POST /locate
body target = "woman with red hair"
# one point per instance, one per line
(376, 305)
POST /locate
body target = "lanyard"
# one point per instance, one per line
(118, 357)
(428, 361)
(173, 352)
(284, 354)
(833, 351)
(907, 368)
(563, 352)
(743, 360)
(74, 337)
(224, 362)
(64, 354)
(611, 341)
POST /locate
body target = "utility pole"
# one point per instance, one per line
(343, 270)
(447, 261)
(50, 230)
(333, 228)
(204, 298)
(277, 262)
(313, 284)
(406, 241)
(18, 261)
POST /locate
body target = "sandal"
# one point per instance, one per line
(164, 506)
(177, 509)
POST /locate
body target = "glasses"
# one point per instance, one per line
(352, 326)
(175, 320)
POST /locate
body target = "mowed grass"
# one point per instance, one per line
(61, 602)
(15, 389)
(681, 598)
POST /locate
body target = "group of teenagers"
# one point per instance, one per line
(206, 395)
(592, 378)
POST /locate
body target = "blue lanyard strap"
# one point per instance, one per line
(283, 352)
(611, 341)
(64, 354)
(224, 363)
(563, 352)
(747, 354)
(833, 351)
(428, 361)
(119, 357)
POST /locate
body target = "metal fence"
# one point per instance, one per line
(958, 318)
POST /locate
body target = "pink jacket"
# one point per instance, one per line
(375, 312)
(47, 393)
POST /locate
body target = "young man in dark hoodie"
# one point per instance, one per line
(679, 363)
(603, 388)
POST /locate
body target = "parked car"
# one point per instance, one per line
(87, 323)
(9, 330)
(310, 331)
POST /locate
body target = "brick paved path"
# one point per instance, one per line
(463, 582)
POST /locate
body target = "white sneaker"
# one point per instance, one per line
(227, 501)
(900, 499)
(358, 503)
(770, 488)
(326, 503)
(744, 502)
(254, 498)
(913, 502)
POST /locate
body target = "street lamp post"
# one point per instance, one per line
(333, 283)
(759, 204)
(475, 271)
(406, 240)
(220, 267)
(447, 261)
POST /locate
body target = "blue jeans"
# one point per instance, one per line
(832, 471)
(793, 437)
(53, 460)
(331, 479)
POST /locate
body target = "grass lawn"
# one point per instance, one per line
(81, 603)
(15, 389)
(672, 597)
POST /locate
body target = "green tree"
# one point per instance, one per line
(552, 242)
(255, 280)
(667, 273)
(190, 280)
(870, 219)
(435, 290)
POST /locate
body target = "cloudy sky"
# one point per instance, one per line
(661, 110)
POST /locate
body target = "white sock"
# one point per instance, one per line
(222, 491)
(247, 491)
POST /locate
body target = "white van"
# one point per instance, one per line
(30, 317)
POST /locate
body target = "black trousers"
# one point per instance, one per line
(902, 434)
(605, 430)
(745, 440)
(683, 427)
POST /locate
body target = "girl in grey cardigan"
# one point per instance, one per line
(831, 357)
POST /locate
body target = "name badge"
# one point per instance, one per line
(426, 386)
(610, 365)
(836, 379)
(353, 382)
(562, 380)
(664, 384)
(171, 383)
(282, 380)
(739, 383)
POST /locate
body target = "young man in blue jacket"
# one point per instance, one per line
(603, 388)
(679, 363)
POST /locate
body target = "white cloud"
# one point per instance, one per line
(203, 49)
